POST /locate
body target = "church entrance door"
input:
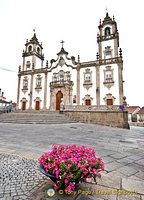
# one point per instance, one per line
(23, 105)
(37, 105)
(59, 95)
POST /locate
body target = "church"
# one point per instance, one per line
(66, 79)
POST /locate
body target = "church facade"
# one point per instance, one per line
(97, 82)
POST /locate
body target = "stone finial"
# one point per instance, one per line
(47, 63)
(100, 22)
(120, 52)
(113, 18)
(19, 68)
(26, 40)
(124, 101)
(97, 56)
(78, 58)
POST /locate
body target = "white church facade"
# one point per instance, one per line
(97, 82)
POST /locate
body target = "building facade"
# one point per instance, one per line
(98, 82)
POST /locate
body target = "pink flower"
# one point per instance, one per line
(67, 176)
(89, 176)
(71, 175)
(85, 172)
(79, 165)
(69, 166)
(99, 175)
(66, 181)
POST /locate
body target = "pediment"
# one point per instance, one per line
(62, 60)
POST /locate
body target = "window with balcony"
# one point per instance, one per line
(61, 78)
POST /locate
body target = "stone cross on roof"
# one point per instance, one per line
(62, 42)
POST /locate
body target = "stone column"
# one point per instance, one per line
(98, 85)
(100, 50)
(78, 85)
(120, 79)
(31, 92)
(45, 92)
(18, 91)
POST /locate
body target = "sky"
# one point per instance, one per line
(76, 22)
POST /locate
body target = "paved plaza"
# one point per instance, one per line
(121, 150)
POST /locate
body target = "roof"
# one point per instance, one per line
(107, 18)
(3, 101)
(141, 111)
(131, 109)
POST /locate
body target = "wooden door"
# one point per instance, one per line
(59, 95)
(23, 105)
(37, 105)
(88, 102)
(109, 102)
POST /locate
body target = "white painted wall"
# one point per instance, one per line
(91, 91)
(114, 90)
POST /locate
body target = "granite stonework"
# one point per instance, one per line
(121, 150)
(111, 118)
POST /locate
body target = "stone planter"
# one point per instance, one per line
(51, 176)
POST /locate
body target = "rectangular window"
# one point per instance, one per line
(25, 83)
(38, 82)
(108, 54)
(87, 77)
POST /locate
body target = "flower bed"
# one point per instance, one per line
(71, 165)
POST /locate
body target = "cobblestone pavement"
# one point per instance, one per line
(19, 177)
(121, 150)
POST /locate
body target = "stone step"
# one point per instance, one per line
(35, 118)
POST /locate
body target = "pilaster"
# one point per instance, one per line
(31, 92)
(78, 85)
(18, 91)
(45, 92)
(97, 85)
(120, 75)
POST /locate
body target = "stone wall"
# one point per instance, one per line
(111, 118)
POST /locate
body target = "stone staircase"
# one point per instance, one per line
(35, 117)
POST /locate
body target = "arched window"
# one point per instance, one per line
(107, 31)
(38, 50)
(30, 48)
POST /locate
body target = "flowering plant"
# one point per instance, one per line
(71, 165)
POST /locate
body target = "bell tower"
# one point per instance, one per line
(32, 55)
(108, 38)
(109, 79)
